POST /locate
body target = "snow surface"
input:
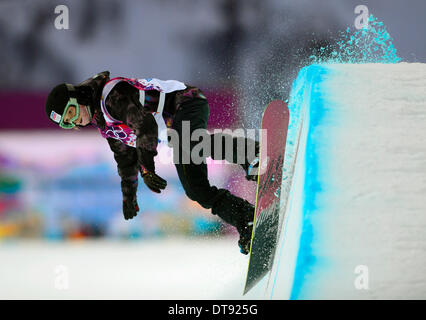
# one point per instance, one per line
(169, 268)
(363, 170)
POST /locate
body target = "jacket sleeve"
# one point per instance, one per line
(127, 165)
(146, 130)
(125, 106)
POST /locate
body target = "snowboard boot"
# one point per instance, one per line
(244, 242)
(238, 213)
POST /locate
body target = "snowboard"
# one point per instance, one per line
(275, 121)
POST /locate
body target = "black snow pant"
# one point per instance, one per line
(194, 177)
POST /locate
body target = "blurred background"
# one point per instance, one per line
(63, 186)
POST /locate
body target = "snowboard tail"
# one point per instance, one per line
(275, 121)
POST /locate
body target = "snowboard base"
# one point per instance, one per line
(275, 121)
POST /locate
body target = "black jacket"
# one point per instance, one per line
(123, 104)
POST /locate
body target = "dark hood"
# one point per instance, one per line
(91, 90)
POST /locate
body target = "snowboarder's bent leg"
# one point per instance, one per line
(238, 150)
(230, 208)
(194, 177)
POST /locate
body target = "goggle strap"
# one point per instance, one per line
(70, 87)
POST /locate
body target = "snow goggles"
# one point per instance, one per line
(69, 124)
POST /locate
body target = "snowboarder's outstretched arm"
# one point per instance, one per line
(127, 165)
(146, 130)
(125, 106)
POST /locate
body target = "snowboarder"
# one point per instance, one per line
(132, 115)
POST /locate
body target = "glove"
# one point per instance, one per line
(154, 182)
(130, 207)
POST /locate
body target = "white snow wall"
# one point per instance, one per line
(354, 188)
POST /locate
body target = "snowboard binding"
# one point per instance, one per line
(252, 170)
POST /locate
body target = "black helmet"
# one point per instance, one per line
(58, 100)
